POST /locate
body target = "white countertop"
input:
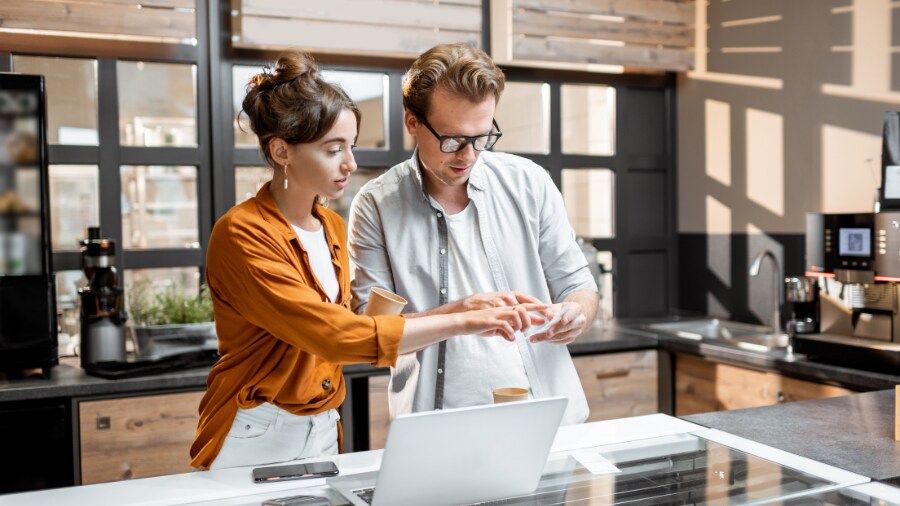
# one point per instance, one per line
(230, 485)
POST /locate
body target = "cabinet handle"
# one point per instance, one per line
(780, 396)
(613, 373)
(103, 422)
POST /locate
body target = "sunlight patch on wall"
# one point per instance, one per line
(718, 141)
(870, 53)
(765, 160)
(851, 170)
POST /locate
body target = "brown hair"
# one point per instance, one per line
(293, 102)
(459, 68)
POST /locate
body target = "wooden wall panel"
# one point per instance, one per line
(166, 20)
(395, 28)
(584, 34)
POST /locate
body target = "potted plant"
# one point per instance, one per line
(171, 321)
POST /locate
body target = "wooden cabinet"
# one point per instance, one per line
(619, 385)
(616, 385)
(379, 413)
(702, 386)
(136, 437)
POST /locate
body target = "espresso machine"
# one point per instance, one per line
(102, 315)
(855, 260)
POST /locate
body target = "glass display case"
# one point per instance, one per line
(27, 301)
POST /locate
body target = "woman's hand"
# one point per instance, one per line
(489, 300)
(502, 321)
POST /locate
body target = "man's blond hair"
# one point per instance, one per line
(460, 68)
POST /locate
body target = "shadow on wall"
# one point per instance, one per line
(781, 117)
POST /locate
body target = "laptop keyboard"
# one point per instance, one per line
(365, 494)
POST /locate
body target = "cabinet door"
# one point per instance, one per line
(137, 437)
(702, 386)
(379, 412)
(620, 384)
(791, 389)
(616, 386)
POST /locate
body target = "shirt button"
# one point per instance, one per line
(440, 371)
(440, 215)
(443, 251)
(443, 290)
(326, 384)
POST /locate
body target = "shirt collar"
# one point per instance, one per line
(269, 211)
(476, 176)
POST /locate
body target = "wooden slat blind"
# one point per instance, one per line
(401, 28)
(649, 34)
(153, 20)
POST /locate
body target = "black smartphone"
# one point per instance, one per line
(298, 500)
(294, 472)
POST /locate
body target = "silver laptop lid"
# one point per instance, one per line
(466, 455)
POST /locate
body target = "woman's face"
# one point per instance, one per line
(323, 167)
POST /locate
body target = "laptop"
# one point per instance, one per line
(460, 456)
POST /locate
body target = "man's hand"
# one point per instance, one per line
(569, 326)
(489, 300)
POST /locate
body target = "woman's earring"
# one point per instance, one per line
(285, 177)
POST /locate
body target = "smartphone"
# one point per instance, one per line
(298, 500)
(295, 472)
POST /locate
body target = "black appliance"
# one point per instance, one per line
(802, 294)
(837, 242)
(27, 289)
(859, 324)
(102, 316)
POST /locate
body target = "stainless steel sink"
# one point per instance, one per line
(713, 330)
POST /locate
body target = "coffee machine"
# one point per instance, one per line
(102, 316)
(802, 294)
(855, 259)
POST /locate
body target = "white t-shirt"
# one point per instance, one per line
(475, 365)
(320, 259)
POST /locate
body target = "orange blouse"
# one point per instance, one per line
(280, 340)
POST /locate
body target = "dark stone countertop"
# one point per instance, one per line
(854, 432)
(69, 380)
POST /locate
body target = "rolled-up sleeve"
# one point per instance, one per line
(387, 328)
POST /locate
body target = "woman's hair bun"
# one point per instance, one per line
(291, 101)
(291, 65)
(294, 64)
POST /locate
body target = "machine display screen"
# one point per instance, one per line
(855, 242)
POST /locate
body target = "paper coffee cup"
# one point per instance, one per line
(383, 301)
(510, 394)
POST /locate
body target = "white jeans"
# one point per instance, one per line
(267, 434)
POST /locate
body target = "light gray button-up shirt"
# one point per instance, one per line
(398, 241)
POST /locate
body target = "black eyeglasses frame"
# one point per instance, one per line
(464, 140)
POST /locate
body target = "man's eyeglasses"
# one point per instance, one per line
(454, 143)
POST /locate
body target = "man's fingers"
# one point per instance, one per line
(524, 298)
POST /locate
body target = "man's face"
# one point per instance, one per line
(450, 114)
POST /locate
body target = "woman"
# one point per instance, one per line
(278, 272)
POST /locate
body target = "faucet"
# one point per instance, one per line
(776, 285)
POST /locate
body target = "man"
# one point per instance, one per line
(457, 220)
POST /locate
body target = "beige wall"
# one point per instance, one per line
(783, 113)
